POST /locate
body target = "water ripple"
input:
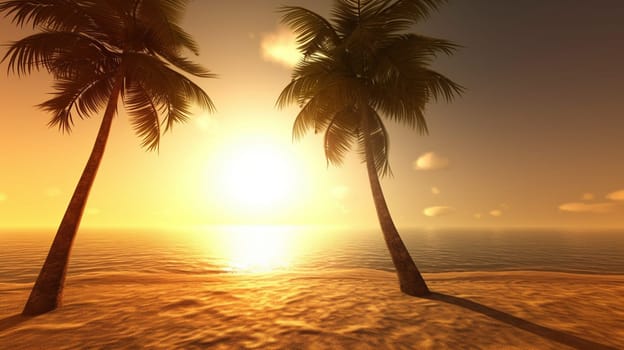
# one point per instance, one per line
(22, 253)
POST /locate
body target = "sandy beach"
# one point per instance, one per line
(319, 145)
(345, 309)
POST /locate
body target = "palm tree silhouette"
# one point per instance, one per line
(359, 67)
(97, 51)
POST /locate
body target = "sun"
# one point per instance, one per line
(258, 176)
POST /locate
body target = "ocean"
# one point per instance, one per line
(257, 249)
(295, 288)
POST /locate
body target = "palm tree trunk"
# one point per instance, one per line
(47, 292)
(410, 280)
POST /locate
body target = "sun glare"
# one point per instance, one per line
(258, 177)
(257, 248)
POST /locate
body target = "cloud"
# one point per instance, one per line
(616, 196)
(430, 161)
(477, 216)
(580, 207)
(3, 197)
(438, 211)
(52, 192)
(496, 213)
(280, 46)
(588, 196)
(435, 190)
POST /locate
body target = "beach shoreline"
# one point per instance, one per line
(333, 309)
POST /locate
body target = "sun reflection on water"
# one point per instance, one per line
(257, 248)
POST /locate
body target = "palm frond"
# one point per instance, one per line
(159, 19)
(401, 84)
(307, 76)
(313, 32)
(340, 135)
(402, 101)
(439, 86)
(144, 115)
(60, 15)
(344, 15)
(85, 43)
(376, 134)
(188, 66)
(172, 10)
(361, 42)
(167, 88)
(178, 111)
(52, 50)
(309, 117)
(370, 19)
(408, 12)
(318, 107)
(372, 70)
(81, 95)
(414, 48)
(331, 95)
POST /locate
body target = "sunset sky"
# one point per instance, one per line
(537, 140)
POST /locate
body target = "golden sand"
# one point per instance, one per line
(346, 309)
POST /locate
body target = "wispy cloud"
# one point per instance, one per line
(616, 196)
(435, 190)
(580, 207)
(496, 213)
(3, 197)
(430, 161)
(438, 211)
(477, 216)
(280, 46)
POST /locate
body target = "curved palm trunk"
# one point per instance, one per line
(410, 279)
(47, 292)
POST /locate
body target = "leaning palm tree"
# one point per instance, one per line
(360, 67)
(98, 51)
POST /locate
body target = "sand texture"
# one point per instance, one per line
(345, 309)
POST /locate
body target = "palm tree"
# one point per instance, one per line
(360, 67)
(98, 51)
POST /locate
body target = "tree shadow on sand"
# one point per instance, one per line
(545, 332)
(12, 321)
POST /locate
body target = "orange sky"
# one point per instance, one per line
(535, 142)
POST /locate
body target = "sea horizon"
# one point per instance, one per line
(261, 249)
